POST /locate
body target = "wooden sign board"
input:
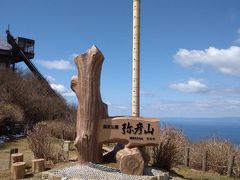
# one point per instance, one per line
(132, 131)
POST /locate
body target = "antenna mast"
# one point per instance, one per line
(136, 59)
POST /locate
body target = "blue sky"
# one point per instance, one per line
(190, 51)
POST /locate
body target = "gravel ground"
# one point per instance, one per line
(97, 171)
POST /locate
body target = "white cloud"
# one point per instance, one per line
(225, 91)
(59, 87)
(199, 108)
(226, 61)
(62, 90)
(108, 103)
(116, 106)
(237, 41)
(121, 107)
(192, 86)
(147, 94)
(50, 79)
(74, 55)
(235, 90)
(56, 64)
(69, 93)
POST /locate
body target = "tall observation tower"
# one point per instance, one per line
(136, 59)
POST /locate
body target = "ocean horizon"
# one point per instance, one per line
(197, 129)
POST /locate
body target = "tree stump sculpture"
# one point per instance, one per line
(91, 108)
(94, 127)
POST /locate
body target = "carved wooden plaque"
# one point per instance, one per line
(132, 131)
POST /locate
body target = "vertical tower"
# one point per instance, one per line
(136, 59)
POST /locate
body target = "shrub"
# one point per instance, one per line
(28, 93)
(41, 143)
(170, 148)
(11, 118)
(218, 152)
(236, 168)
(10, 112)
(62, 129)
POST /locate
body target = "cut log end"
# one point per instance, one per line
(131, 161)
(17, 157)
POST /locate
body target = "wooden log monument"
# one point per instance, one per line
(91, 108)
(94, 126)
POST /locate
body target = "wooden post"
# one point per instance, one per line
(17, 157)
(18, 170)
(38, 165)
(187, 152)
(136, 59)
(75, 135)
(63, 134)
(12, 151)
(91, 109)
(230, 165)
(204, 161)
(66, 145)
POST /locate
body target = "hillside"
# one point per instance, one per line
(24, 101)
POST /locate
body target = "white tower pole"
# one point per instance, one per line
(136, 59)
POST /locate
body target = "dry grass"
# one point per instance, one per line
(170, 149)
(199, 175)
(236, 168)
(21, 144)
(218, 153)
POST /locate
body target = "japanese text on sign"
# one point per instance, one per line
(138, 129)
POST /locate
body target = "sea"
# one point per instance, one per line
(197, 129)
